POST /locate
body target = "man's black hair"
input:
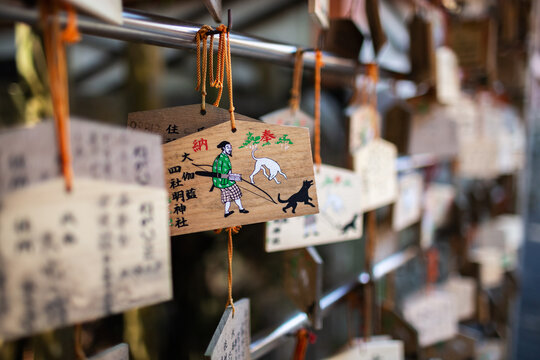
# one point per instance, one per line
(222, 144)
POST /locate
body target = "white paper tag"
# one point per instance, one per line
(408, 207)
(30, 155)
(232, 337)
(71, 257)
(463, 289)
(382, 349)
(364, 122)
(433, 314)
(339, 192)
(108, 10)
(287, 117)
(376, 164)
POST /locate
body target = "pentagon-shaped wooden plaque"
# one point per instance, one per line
(218, 178)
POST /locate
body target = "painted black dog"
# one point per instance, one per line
(301, 196)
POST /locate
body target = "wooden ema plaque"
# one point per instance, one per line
(30, 155)
(340, 214)
(433, 132)
(463, 289)
(363, 123)
(433, 314)
(289, 117)
(179, 121)
(373, 349)
(303, 281)
(217, 178)
(232, 337)
(108, 10)
(408, 207)
(67, 258)
(376, 163)
(319, 11)
(118, 352)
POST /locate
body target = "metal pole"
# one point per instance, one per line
(274, 338)
(157, 30)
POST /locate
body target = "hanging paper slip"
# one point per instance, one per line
(340, 214)
(319, 10)
(408, 207)
(217, 178)
(232, 337)
(303, 281)
(291, 118)
(118, 352)
(433, 132)
(71, 257)
(433, 314)
(30, 155)
(376, 164)
(463, 289)
(364, 122)
(176, 122)
(108, 10)
(372, 349)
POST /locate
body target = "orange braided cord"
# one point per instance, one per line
(230, 231)
(230, 85)
(54, 41)
(317, 111)
(297, 80)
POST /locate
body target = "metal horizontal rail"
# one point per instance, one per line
(152, 29)
(273, 339)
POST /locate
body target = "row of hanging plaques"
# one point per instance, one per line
(278, 179)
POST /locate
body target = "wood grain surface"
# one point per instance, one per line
(279, 150)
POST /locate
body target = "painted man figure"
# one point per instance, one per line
(229, 190)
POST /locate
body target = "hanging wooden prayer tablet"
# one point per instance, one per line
(319, 11)
(232, 337)
(118, 352)
(340, 214)
(363, 124)
(175, 122)
(463, 289)
(218, 178)
(383, 349)
(288, 117)
(478, 158)
(437, 202)
(303, 281)
(70, 257)
(376, 164)
(30, 155)
(108, 10)
(433, 132)
(433, 314)
(408, 207)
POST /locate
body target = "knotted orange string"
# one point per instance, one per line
(303, 337)
(317, 112)
(224, 66)
(201, 80)
(71, 33)
(432, 267)
(54, 41)
(294, 103)
(373, 74)
(79, 352)
(230, 231)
